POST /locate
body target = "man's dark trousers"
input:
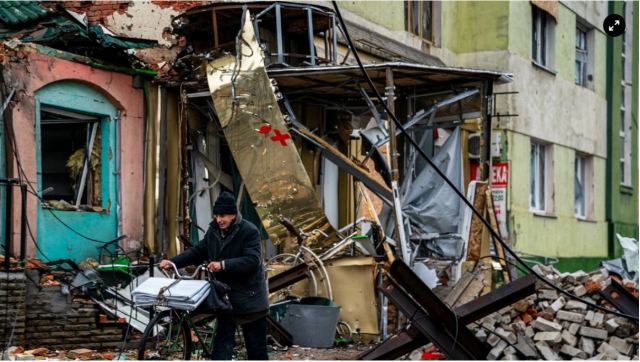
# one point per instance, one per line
(254, 333)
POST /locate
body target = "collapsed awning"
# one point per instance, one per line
(344, 79)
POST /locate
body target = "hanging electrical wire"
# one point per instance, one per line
(452, 186)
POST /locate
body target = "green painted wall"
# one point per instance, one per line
(600, 71)
(389, 14)
(564, 235)
(520, 28)
(565, 49)
(56, 240)
(622, 201)
(3, 198)
(469, 26)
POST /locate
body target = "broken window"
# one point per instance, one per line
(542, 37)
(70, 178)
(583, 186)
(537, 191)
(579, 191)
(419, 18)
(581, 56)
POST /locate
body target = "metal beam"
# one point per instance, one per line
(497, 299)
(346, 164)
(454, 348)
(288, 277)
(397, 346)
(617, 295)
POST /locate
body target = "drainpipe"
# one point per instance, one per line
(23, 221)
(8, 224)
(118, 175)
(485, 152)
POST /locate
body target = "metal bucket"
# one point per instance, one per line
(312, 322)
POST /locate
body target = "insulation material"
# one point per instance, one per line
(261, 145)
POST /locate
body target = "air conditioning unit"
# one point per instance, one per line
(473, 146)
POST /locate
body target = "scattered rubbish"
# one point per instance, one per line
(551, 326)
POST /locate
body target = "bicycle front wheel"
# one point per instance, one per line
(167, 337)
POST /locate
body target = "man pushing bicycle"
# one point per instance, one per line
(232, 249)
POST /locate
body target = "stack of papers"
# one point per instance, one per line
(178, 294)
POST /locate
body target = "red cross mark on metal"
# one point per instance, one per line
(280, 137)
(265, 129)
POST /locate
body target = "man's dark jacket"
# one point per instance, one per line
(243, 269)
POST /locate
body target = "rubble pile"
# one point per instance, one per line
(550, 326)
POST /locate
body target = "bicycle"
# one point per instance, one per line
(176, 334)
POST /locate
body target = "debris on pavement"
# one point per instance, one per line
(550, 326)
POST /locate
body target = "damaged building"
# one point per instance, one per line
(268, 100)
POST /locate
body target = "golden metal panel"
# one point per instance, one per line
(258, 138)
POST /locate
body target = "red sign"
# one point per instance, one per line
(499, 173)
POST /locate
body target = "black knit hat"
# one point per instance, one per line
(225, 205)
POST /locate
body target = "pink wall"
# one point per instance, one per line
(36, 71)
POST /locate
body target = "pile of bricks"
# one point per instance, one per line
(551, 326)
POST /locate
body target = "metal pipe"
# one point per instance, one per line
(486, 134)
(23, 221)
(334, 35)
(9, 227)
(280, 58)
(312, 49)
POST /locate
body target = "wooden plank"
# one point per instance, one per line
(475, 234)
(491, 212)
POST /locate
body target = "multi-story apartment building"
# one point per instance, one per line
(622, 130)
(551, 122)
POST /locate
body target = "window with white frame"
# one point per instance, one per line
(583, 186)
(625, 100)
(542, 37)
(581, 56)
(540, 185)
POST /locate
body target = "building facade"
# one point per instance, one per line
(550, 124)
(622, 131)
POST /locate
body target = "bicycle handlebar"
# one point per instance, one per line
(179, 276)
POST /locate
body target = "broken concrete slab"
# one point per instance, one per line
(593, 333)
(611, 325)
(579, 291)
(549, 294)
(570, 316)
(575, 305)
(573, 328)
(529, 332)
(526, 346)
(587, 345)
(572, 351)
(589, 316)
(609, 351)
(481, 335)
(621, 345)
(544, 325)
(506, 335)
(493, 340)
(496, 351)
(597, 320)
(569, 338)
(549, 337)
(546, 352)
(557, 305)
